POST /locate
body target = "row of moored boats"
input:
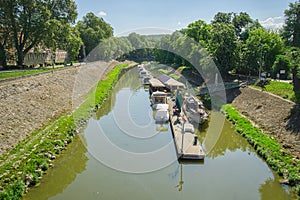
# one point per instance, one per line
(165, 91)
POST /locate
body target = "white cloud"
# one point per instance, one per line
(273, 23)
(102, 13)
(179, 23)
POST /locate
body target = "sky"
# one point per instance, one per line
(166, 16)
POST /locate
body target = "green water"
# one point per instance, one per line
(123, 154)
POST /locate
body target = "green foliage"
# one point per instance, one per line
(199, 31)
(13, 192)
(222, 18)
(282, 89)
(71, 42)
(31, 23)
(25, 72)
(92, 31)
(223, 45)
(282, 62)
(276, 156)
(260, 50)
(241, 21)
(291, 30)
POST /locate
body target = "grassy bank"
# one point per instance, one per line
(25, 72)
(279, 159)
(282, 89)
(23, 167)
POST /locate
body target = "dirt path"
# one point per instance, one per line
(271, 113)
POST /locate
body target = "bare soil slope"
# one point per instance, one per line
(272, 114)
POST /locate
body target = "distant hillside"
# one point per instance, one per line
(154, 37)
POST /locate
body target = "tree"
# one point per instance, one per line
(72, 43)
(241, 22)
(294, 56)
(29, 22)
(260, 50)
(223, 45)
(4, 35)
(282, 62)
(291, 29)
(291, 34)
(200, 31)
(93, 30)
(222, 18)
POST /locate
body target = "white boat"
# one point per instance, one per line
(158, 98)
(194, 109)
(143, 73)
(162, 106)
(146, 80)
(162, 116)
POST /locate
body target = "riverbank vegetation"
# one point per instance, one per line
(17, 73)
(282, 89)
(278, 158)
(23, 167)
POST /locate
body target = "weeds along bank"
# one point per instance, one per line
(278, 158)
(23, 167)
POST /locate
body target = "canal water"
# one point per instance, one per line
(123, 154)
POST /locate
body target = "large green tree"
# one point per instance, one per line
(223, 45)
(260, 50)
(4, 34)
(291, 29)
(93, 30)
(30, 21)
(241, 22)
(222, 18)
(200, 31)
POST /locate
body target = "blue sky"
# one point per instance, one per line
(129, 15)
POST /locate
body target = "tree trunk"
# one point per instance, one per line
(20, 59)
(296, 81)
(3, 57)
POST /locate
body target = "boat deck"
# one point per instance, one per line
(186, 149)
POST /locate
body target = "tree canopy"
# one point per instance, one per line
(93, 30)
(291, 29)
(33, 22)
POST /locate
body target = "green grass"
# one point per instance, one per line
(97, 96)
(164, 71)
(181, 68)
(279, 159)
(33, 156)
(23, 72)
(282, 89)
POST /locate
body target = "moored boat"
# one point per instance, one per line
(194, 109)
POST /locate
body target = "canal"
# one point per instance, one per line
(123, 154)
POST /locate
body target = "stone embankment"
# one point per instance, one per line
(27, 103)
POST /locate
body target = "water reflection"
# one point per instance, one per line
(67, 167)
(229, 140)
(129, 79)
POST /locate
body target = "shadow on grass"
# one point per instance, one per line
(294, 119)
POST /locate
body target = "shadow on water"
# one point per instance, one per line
(67, 167)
